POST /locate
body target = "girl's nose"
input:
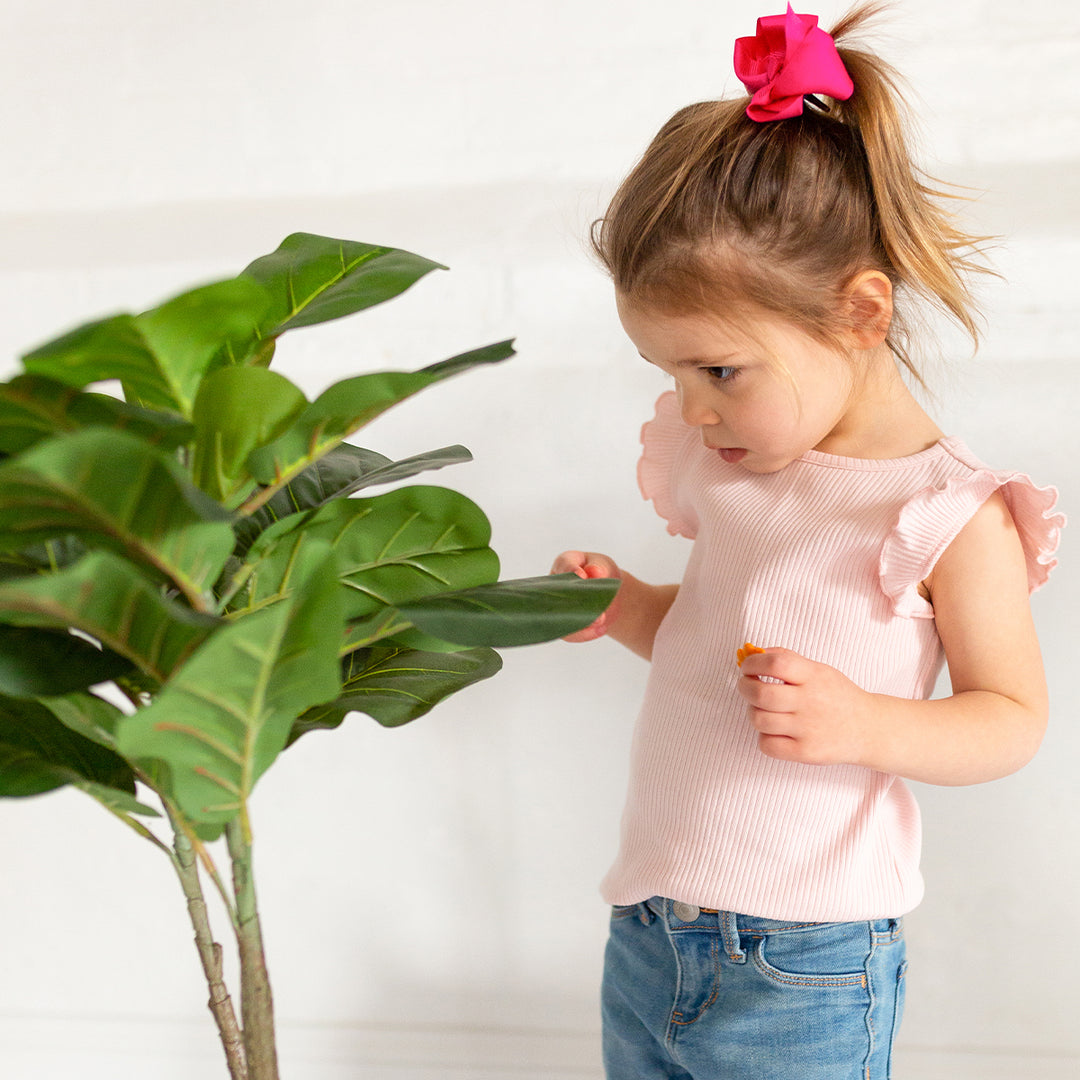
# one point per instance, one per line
(695, 409)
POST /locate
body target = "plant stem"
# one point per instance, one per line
(220, 1003)
(256, 1001)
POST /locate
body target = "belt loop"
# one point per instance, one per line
(729, 932)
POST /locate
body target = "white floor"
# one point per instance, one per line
(38, 1048)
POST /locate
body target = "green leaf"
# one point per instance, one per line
(197, 331)
(399, 546)
(92, 717)
(111, 488)
(312, 279)
(36, 662)
(396, 685)
(33, 408)
(160, 356)
(347, 406)
(521, 612)
(38, 753)
(112, 348)
(344, 471)
(108, 598)
(226, 714)
(237, 410)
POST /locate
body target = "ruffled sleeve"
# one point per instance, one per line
(664, 439)
(931, 520)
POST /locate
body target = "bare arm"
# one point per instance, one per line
(989, 727)
(637, 610)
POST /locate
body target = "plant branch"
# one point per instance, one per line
(220, 1003)
(256, 1000)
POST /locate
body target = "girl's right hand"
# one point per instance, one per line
(589, 564)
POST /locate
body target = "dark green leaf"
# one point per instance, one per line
(109, 599)
(347, 406)
(38, 753)
(522, 612)
(396, 685)
(33, 407)
(39, 662)
(111, 488)
(312, 279)
(344, 471)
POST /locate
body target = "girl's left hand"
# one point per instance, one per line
(813, 714)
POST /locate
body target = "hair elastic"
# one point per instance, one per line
(786, 63)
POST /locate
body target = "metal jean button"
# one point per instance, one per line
(685, 912)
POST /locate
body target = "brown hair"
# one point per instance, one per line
(724, 213)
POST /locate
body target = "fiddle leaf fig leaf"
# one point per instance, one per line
(38, 753)
(341, 473)
(237, 410)
(393, 547)
(222, 719)
(160, 356)
(346, 407)
(92, 717)
(33, 408)
(395, 685)
(112, 348)
(507, 613)
(312, 279)
(36, 662)
(109, 599)
(111, 489)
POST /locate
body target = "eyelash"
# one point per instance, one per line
(722, 374)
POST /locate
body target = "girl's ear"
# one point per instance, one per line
(868, 302)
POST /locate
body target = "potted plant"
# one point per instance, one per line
(195, 575)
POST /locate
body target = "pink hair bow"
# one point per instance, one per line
(788, 58)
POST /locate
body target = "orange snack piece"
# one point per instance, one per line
(747, 650)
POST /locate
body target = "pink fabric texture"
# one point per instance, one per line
(823, 557)
(788, 58)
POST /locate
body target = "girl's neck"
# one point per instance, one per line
(883, 419)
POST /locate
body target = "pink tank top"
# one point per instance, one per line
(823, 557)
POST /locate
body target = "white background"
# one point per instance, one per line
(429, 893)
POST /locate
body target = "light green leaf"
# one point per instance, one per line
(237, 410)
(395, 685)
(521, 612)
(346, 407)
(109, 488)
(92, 717)
(312, 279)
(106, 597)
(223, 718)
(402, 545)
(195, 332)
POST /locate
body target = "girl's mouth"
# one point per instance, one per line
(732, 454)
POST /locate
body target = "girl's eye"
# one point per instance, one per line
(722, 374)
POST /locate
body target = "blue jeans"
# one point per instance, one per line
(721, 996)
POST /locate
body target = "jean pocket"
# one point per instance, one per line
(624, 911)
(825, 955)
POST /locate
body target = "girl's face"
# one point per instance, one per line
(760, 401)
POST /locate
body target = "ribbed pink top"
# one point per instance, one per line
(823, 557)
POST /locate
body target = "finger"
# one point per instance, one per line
(775, 663)
(570, 562)
(777, 697)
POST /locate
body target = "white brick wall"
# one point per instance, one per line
(150, 146)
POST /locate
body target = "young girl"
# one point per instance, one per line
(760, 252)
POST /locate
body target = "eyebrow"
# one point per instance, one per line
(696, 361)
